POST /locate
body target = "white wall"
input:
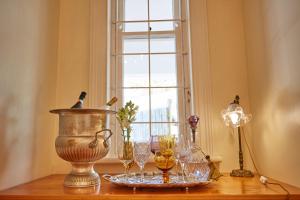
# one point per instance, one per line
(28, 50)
(74, 57)
(228, 67)
(272, 28)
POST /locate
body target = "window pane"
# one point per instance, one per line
(135, 71)
(133, 27)
(163, 70)
(135, 45)
(161, 9)
(139, 97)
(163, 26)
(136, 10)
(164, 129)
(140, 131)
(163, 44)
(164, 105)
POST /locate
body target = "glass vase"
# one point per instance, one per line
(125, 151)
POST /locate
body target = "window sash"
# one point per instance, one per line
(182, 64)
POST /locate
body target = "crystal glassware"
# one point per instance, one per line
(164, 158)
(198, 165)
(154, 143)
(125, 154)
(177, 154)
(184, 157)
(141, 155)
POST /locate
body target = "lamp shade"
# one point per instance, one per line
(234, 115)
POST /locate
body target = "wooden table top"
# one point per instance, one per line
(51, 187)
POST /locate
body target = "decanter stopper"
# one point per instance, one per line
(193, 121)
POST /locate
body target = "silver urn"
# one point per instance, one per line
(83, 139)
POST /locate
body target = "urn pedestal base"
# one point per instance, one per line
(82, 175)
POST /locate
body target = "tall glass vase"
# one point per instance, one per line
(125, 151)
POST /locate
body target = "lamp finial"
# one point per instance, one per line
(237, 99)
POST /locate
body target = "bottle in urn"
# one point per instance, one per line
(112, 101)
(108, 105)
(79, 103)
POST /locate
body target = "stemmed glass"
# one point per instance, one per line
(154, 143)
(182, 154)
(125, 155)
(164, 158)
(177, 154)
(141, 155)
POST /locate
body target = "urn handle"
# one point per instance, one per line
(94, 143)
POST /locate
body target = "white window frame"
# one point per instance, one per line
(201, 89)
(181, 54)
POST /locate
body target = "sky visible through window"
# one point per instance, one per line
(150, 74)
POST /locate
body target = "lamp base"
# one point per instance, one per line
(241, 173)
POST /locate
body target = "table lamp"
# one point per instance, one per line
(235, 117)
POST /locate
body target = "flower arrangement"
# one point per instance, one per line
(125, 116)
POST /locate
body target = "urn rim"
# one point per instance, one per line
(82, 111)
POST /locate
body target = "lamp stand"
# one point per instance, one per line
(241, 172)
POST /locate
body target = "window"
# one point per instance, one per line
(150, 63)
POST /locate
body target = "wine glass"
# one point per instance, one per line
(154, 143)
(182, 153)
(141, 155)
(125, 155)
(177, 154)
(184, 157)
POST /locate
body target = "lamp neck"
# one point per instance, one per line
(241, 157)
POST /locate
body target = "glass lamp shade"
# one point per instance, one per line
(234, 116)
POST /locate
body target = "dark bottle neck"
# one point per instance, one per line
(79, 103)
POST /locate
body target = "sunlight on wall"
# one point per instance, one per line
(28, 51)
(273, 46)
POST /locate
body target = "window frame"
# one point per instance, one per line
(200, 94)
(183, 70)
(199, 63)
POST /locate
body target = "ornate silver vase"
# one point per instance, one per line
(83, 139)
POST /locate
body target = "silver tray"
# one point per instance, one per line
(153, 180)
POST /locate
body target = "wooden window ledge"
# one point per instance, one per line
(226, 187)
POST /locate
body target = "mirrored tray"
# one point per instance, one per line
(153, 180)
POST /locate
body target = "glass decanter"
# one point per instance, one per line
(198, 165)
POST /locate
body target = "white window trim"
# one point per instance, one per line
(201, 86)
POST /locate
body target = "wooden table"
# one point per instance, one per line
(227, 187)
